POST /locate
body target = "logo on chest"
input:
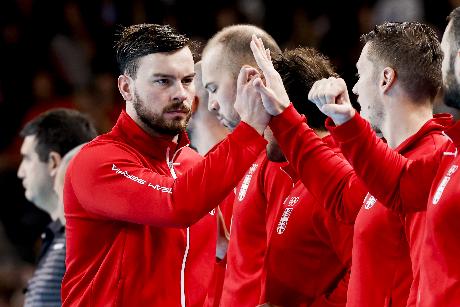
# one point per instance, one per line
(369, 201)
(282, 224)
(247, 181)
(442, 185)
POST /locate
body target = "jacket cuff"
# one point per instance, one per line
(289, 118)
(248, 137)
(348, 130)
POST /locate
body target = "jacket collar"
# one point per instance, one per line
(149, 145)
(439, 122)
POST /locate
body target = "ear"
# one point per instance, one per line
(125, 86)
(54, 160)
(457, 66)
(388, 79)
(195, 104)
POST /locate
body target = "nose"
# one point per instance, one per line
(354, 89)
(213, 105)
(20, 173)
(181, 93)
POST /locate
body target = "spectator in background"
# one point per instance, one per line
(47, 138)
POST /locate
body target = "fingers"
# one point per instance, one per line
(262, 57)
(246, 73)
(329, 91)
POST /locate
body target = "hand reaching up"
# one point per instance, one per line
(331, 97)
(273, 93)
(248, 102)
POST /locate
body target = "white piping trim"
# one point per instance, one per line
(171, 165)
(449, 153)
(182, 271)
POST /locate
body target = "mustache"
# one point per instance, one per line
(177, 106)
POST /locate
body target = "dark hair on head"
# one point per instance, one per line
(454, 20)
(235, 41)
(300, 68)
(413, 51)
(59, 130)
(140, 40)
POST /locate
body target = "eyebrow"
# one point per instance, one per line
(171, 76)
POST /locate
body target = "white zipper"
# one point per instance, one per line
(171, 165)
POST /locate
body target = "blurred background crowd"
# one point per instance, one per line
(59, 54)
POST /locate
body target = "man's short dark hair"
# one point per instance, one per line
(413, 51)
(140, 40)
(300, 68)
(235, 42)
(59, 130)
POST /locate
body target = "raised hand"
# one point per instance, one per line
(273, 93)
(331, 97)
(248, 102)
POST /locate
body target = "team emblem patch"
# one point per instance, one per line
(369, 201)
(246, 181)
(442, 185)
(282, 224)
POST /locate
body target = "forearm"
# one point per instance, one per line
(389, 176)
(117, 185)
(325, 174)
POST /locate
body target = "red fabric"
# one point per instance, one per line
(309, 254)
(429, 183)
(253, 213)
(380, 244)
(127, 216)
(217, 282)
(384, 272)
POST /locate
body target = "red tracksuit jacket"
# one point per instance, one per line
(253, 213)
(430, 184)
(309, 253)
(128, 241)
(387, 244)
(379, 234)
(217, 282)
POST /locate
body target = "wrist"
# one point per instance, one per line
(340, 120)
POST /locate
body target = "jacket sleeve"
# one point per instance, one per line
(329, 177)
(111, 182)
(400, 184)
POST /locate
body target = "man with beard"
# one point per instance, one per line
(396, 96)
(264, 182)
(205, 132)
(429, 183)
(133, 194)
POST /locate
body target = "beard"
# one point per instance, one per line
(157, 121)
(451, 88)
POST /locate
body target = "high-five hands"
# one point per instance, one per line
(331, 97)
(248, 102)
(273, 93)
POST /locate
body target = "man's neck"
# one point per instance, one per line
(205, 135)
(404, 119)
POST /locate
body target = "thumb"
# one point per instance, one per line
(269, 99)
(331, 109)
